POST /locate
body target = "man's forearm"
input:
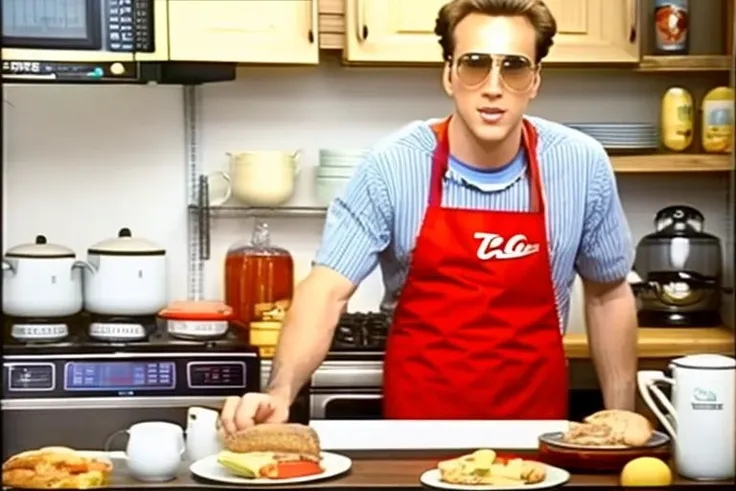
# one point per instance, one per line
(612, 337)
(305, 338)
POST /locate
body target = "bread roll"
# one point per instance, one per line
(289, 438)
(627, 427)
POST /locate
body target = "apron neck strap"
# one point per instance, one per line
(441, 155)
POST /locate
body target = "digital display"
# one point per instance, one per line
(31, 376)
(63, 19)
(119, 375)
(206, 375)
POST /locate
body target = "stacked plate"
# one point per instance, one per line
(622, 136)
(335, 169)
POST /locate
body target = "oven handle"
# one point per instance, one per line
(111, 403)
(318, 402)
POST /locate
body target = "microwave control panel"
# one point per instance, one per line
(147, 376)
(130, 26)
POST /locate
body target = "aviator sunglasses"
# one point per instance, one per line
(516, 72)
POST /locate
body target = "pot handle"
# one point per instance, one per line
(226, 191)
(647, 381)
(8, 267)
(295, 157)
(83, 265)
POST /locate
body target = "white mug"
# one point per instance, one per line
(154, 450)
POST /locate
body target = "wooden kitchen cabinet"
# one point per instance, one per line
(402, 31)
(244, 31)
(391, 31)
(595, 31)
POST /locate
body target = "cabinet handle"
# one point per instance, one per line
(633, 19)
(314, 13)
(361, 27)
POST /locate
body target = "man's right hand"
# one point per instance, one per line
(240, 413)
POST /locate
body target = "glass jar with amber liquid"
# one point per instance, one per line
(259, 284)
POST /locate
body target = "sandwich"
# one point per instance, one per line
(612, 427)
(55, 468)
(272, 451)
(484, 467)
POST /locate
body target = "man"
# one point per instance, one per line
(479, 223)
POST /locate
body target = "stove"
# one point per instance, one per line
(348, 384)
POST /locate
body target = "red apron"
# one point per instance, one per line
(476, 334)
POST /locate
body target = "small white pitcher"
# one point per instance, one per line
(154, 450)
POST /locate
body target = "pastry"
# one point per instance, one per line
(482, 467)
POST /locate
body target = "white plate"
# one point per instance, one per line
(555, 477)
(555, 439)
(208, 468)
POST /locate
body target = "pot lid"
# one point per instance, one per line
(40, 249)
(126, 245)
(706, 362)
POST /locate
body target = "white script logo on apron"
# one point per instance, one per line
(493, 246)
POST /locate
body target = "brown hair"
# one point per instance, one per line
(535, 11)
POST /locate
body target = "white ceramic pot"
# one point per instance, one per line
(265, 178)
(125, 276)
(41, 280)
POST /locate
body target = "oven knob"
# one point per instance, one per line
(117, 69)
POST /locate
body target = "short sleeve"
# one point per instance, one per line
(606, 252)
(358, 225)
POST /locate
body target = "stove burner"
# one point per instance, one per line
(35, 330)
(81, 340)
(361, 332)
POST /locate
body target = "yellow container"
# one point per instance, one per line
(265, 336)
(718, 120)
(677, 119)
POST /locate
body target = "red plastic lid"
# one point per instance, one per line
(197, 310)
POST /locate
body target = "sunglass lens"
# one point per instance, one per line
(473, 68)
(517, 72)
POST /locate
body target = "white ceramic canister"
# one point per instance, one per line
(41, 280)
(125, 276)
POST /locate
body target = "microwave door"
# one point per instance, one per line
(57, 30)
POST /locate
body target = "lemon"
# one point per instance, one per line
(646, 471)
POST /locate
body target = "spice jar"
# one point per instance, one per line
(259, 284)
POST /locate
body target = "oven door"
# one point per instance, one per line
(82, 30)
(366, 404)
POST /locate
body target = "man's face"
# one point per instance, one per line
(492, 106)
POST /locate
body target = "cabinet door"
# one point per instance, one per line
(595, 31)
(392, 31)
(244, 31)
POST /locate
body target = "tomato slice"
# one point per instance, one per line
(300, 468)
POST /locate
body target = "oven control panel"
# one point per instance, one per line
(125, 375)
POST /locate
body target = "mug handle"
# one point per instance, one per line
(647, 382)
(111, 439)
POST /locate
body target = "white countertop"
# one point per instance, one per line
(336, 435)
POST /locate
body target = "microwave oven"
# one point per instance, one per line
(85, 30)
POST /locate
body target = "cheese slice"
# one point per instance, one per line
(247, 465)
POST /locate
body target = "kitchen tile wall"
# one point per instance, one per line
(81, 162)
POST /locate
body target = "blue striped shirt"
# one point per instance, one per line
(376, 221)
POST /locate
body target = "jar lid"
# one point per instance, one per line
(126, 245)
(197, 310)
(40, 249)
